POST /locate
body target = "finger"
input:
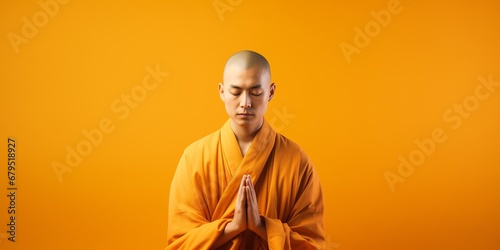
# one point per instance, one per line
(253, 195)
(252, 210)
(242, 184)
(249, 200)
(246, 179)
(241, 192)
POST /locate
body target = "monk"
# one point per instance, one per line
(245, 186)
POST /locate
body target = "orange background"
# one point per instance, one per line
(354, 119)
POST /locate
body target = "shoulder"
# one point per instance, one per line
(203, 145)
(286, 146)
(199, 155)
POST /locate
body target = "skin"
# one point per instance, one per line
(246, 91)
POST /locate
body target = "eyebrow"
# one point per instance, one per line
(258, 86)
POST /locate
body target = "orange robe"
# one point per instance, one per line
(205, 185)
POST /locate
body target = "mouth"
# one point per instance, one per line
(244, 114)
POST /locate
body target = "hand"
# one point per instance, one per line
(239, 222)
(254, 221)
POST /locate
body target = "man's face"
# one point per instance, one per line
(245, 93)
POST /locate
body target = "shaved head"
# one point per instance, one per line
(247, 59)
(246, 89)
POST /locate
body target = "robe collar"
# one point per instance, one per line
(252, 163)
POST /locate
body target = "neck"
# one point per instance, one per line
(245, 134)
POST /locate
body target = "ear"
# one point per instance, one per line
(221, 91)
(272, 89)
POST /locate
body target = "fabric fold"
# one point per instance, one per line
(207, 179)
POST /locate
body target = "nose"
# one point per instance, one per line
(245, 100)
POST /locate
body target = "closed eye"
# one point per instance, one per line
(256, 92)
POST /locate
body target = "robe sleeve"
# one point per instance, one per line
(304, 229)
(189, 227)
